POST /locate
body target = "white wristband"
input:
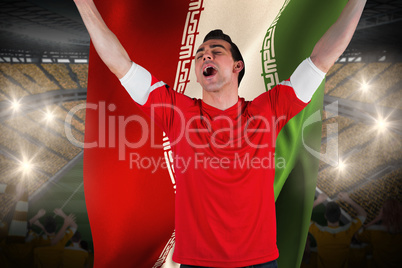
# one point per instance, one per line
(306, 79)
(137, 82)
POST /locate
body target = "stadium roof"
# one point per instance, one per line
(28, 26)
(380, 27)
(48, 25)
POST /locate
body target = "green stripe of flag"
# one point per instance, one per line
(299, 27)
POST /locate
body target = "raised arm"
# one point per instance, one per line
(60, 212)
(105, 41)
(35, 219)
(334, 42)
(69, 221)
(320, 199)
(359, 210)
(377, 219)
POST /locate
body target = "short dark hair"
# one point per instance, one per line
(84, 245)
(218, 34)
(76, 237)
(50, 224)
(332, 212)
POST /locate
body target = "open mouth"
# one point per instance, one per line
(209, 71)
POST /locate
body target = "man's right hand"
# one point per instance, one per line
(322, 197)
(41, 213)
(105, 42)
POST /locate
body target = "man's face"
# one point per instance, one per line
(215, 66)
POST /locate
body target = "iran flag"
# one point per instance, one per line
(128, 175)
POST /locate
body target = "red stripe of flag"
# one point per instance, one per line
(131, 211)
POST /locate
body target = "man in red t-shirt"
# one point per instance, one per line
(223, 145)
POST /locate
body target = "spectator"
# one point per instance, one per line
(75, 255)
(50, 237)
(76, 242)
(333, 241)
(384, 234)
(309, 259)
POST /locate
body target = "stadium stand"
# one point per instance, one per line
(372, 195)
(342, 74)
(353, 85)
(333, 70)
(393, 100)
(81, 70)
(368, 152)
(339, 122)
(28, 77)
(80, 113)
(38, 134)
(11, 90)
(62, 73)
(381, 84)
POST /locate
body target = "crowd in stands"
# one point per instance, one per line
(62, 75)
(374, 193)
(343, 72)
(10, 89)
(24, 147)
(58, 126)
(43, 135)
(360, 242)
(348, 138)
(19, 80)
(2, 96)
(334, 69)
(380, 85)
(393, 100)
(341, 123)
(45, 146)
(33, 135)
(71, 104)
(368, 154)
(45, 244)
(353, 87)
(81, 70)
(27, 76)
(346, 81)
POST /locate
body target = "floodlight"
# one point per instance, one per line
(381, 124)
(26, 166)
(49, 116)
(15, 104)
(341, 165)
(364, 87)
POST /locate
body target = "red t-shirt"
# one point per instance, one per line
(224, 167)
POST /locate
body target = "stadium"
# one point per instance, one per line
(44, 57)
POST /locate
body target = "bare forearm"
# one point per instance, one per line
(105, 41)
(69, 221)
(320, 199)
(34, 220)
(343, 196)
(37, 223)
(316, 203)
(59, 234)
(334, 42)
(60, 212)
(359, 210)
